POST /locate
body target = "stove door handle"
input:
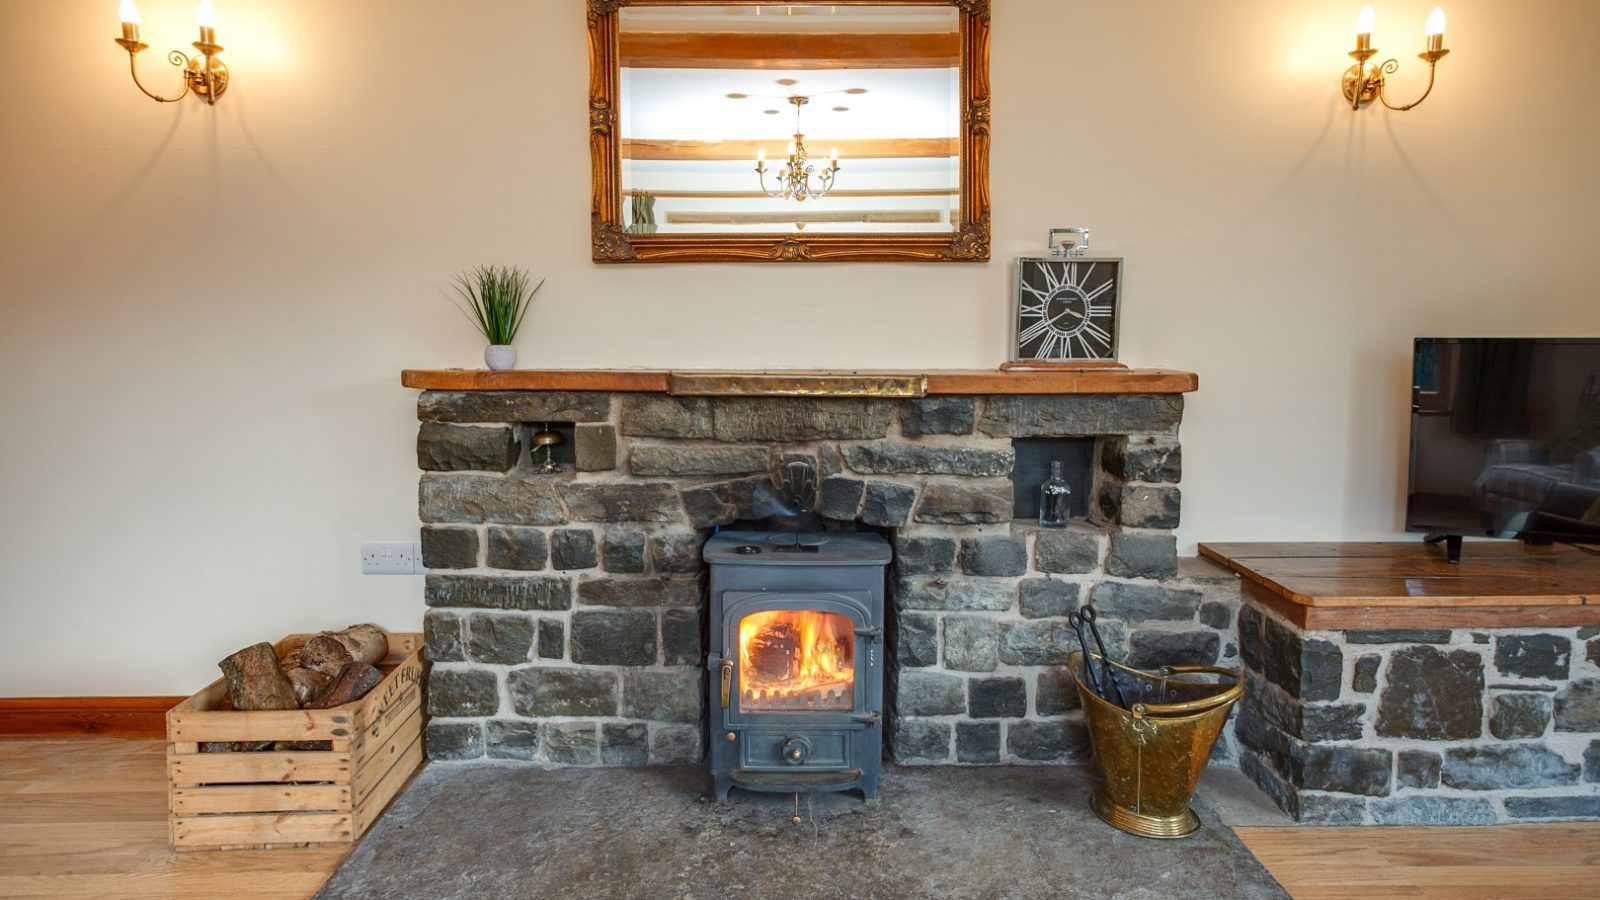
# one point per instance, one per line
(727, 682)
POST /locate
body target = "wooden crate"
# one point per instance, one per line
(294, 799)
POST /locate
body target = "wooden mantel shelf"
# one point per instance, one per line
(795, 382)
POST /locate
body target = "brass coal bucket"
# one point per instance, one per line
(1153, 753)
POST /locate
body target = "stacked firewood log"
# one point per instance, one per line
(331, 669)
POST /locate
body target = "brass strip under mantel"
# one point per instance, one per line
(795, 384)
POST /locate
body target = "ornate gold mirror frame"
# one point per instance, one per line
(613, 244)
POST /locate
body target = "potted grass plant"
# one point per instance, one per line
(496, 299)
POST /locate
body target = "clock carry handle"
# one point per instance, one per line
(1077, 247)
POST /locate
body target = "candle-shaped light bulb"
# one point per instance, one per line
(1435, 31)
(761, 158)
(791, 148)
(128, 12)
(206, 15)
(833, 156)
(1364, 23)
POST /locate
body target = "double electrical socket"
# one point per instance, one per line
(391, 559)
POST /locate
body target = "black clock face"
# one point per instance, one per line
(1066, 309)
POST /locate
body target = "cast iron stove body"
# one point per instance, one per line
(796, 661)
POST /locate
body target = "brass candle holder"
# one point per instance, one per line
(203, 75)
(545, 440)
(1364, 82)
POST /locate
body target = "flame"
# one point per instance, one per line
(797, 660)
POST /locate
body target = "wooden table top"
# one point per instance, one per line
(1073, 380)
(1409, 584)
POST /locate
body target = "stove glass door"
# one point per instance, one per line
(796, 661)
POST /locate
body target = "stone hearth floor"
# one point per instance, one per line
(493, 830)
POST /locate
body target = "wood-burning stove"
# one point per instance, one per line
(796, 661)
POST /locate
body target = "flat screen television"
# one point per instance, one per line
(1505, 439)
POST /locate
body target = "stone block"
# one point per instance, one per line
(1318, 808)
(676, 553)
(541, 691)
(1418, 769)
(518, 548)
(917, 639)
(1043, 598)
(500, 639)
(1043, 642)
(570, 743)
(1055, 692)
(1500, 766)
(626, 744)
(676, 695)
(1584, 807)
(1311, 669)
(448, 741)
(1153, 649)
(978, 742)
(552, 639)
(1216, 615)
(967, 502)
(1578, 706)
(1591, 762)
(1151, 459)
(1331, 721)
(1425, 810)
(908, 458)
(840, 497)
(471, 498)
(594, 447)
(1251, 639)
(1065, 552)
(1344, 770)
(1147, 506)
(681, 641)
(639, 592)
(924, 555)
(956, 594)
(997, 698)
(1519, 715)
(1153, 556)
(1592, 652)
(1081, 415)
(444, 547)
(710, 506)
(1547, 656)
(622, 553)
(681, 460)
(1399, 636)
(661, 416)
(971, 644)
(1144, 602)
(526, 592)
(1364, 680)
(937, 415)
(790, 419)
(511, 739)
(931, 694)
(573, 548)
(462, 693)
(917, 741)
(445, 637)
(513, 406)
(994, 556)
(454, 448)
(649, 501)
(1051, 741)
(1432, 695)
(614, 637)
(887, 504)
(677, 745)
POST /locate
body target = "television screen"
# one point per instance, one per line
(1505, 438)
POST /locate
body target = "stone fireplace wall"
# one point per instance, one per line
(566, 611)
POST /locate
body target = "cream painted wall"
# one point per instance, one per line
(206, 310)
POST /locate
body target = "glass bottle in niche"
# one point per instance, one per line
(1055, 499)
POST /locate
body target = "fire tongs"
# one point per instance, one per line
(1104, 681)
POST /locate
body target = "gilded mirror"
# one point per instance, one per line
(750, 130)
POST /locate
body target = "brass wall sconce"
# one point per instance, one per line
(1364, 82)
(204, 75)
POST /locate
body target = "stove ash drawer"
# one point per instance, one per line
(794, 749)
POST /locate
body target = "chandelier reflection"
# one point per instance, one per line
(795, 178)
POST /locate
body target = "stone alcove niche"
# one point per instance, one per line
(566, 611)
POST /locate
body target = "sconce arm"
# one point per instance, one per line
(177, 58)
(1392, 66)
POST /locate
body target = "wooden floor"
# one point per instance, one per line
(88, 819)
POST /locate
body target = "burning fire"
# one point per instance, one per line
(793, 660)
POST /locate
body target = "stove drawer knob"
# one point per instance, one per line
(796, 751)
(731, 737)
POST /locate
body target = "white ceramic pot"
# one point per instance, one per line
(500, 357)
